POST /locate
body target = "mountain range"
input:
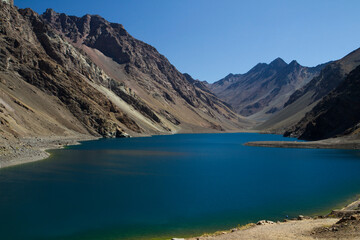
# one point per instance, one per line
(264, 89)
(74, 76)
(298, 113)
(64, 76)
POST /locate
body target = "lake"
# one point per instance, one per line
(170, 186)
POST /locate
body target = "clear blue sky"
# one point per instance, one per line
(212, 38)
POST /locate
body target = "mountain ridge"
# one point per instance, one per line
(305, 99)
(264, 89)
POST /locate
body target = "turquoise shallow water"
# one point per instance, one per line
(169, 186)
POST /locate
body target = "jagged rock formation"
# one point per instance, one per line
(62, 75)
(337, 114)
(263, 90)
(306, 98)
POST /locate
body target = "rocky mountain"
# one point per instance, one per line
(64, 76)
(337, 114)
(263, 90)
(307, 97)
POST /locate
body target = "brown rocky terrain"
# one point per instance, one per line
(74, 78)
(265, 89)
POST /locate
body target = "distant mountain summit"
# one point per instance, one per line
(10, 2)
(278, 64)
(264, 89)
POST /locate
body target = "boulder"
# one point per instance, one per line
(264, 222)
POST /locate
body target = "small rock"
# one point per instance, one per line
(233, 230)
(300, 217)
(178, 239)
(264, 222)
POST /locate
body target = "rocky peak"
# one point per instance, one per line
(258, 68)
(278, 63)
(50, 13)
(10, 2)
(28, 12)
(189, 78)
(294, 63)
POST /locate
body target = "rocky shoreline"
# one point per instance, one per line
(339, 224)
(34, 148)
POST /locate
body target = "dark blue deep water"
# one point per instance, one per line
(170, 186)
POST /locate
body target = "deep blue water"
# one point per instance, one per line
(169, 186)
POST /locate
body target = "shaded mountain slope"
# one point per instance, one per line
(336, 114)
(303, 100)
(263, 90)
